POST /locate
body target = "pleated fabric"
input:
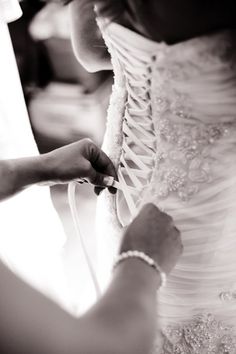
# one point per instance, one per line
(171, 132)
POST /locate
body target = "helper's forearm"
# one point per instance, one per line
(17, 174)
(125, 318)
(122, 322)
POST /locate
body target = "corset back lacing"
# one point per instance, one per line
(137, 158)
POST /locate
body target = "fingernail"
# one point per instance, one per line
(112, 190)
(98, 190)
(80, 181)
(108, 181)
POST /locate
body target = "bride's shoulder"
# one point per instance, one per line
(89, 47)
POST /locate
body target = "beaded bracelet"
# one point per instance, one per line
(145, 258)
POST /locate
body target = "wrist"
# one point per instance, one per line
(47, 170)
(44, 169)
(140, 255)
(135, 269)
(17, 174)
(29, 170)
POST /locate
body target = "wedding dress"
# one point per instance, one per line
(171, 132)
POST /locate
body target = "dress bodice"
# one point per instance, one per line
(176, 106)
(171, 132)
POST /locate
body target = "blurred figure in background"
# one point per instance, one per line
(57, 111)
(32, 212)
(30, 228)
(71, 106)
(30, 56)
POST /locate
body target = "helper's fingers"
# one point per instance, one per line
(98, 190)
(100, 179)
(101, 162)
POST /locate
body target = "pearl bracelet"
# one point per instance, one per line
(145, 258)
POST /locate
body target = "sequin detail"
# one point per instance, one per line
(184, 143)
(204, 335)
(228, 296)
(184, 160)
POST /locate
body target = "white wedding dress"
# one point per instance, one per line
(171, 132)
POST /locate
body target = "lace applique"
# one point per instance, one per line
(180, 104)
(185, 162)
(183, 159)
(228, 296)
(204, 335)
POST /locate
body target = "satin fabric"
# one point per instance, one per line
(190, 88)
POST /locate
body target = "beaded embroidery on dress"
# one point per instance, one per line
(171, 132)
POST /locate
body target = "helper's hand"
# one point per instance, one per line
(79, 160)
(154, 233)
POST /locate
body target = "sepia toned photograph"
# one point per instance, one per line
(117, 177)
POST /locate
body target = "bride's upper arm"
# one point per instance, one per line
(87, 41)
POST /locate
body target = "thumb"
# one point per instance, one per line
(99, 179)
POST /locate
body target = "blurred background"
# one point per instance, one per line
(65, 103)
